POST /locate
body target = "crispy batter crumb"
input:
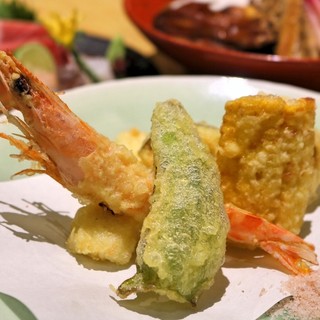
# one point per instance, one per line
(132, 139)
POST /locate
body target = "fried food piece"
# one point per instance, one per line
(101, 235)
(267, 158)
(145, 153)
(316, 176)
(290, 29)
(297, 37)
(208, 134)
(132, 139)
(252, 231)
(94, 168)
(183, 238)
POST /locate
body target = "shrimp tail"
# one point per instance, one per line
(292, 256)
(253, 231)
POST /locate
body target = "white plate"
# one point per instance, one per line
(35, 216)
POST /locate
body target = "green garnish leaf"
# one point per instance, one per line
(16, 9)
(116, 50)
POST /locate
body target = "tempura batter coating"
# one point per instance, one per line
(94, 168)
(101, 235)
(183, 238)
(266, 157)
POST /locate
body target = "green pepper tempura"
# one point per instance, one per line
(183, 239)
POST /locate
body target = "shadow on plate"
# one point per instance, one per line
(47, 225)
(160, 307)
(50, 226)
(237, 257)
(107, 266)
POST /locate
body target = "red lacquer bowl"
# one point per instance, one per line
(214, 59)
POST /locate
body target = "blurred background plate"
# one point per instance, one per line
(214, 59)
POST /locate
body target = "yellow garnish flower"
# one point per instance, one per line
(62, 29)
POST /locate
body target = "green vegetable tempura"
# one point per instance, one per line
(183, 239)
